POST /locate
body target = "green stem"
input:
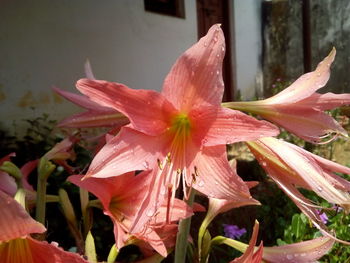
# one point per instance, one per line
(45, 168)
(207, 220)
(182, 235)
(41, 201)
(230, 242)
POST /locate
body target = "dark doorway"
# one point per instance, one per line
(210, 12)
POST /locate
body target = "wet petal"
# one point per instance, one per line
(147, 110)
(129, 151)
(308, 169)
(196, 77)
(215, 178)
(225, 126)
(306, 251)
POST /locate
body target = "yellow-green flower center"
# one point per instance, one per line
(181, 125)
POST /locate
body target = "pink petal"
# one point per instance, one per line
(306, 251)
(215, 178)
(102, 189)
(94, 119)
(7, 184)
(43, 252)
(308, 170)
(156, 194)
(307, 123)
(249, 255)
(81, 100)
(180, 210)
(196, 77)
(326, 101)
(15, 222)
(61, 151)
(129, 151)
(120, 235)
(26, 170)
(306, 85)
(148, 110)
(224, 126)
(153, 239)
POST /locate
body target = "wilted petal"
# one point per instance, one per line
(147, 110)
(196, 77)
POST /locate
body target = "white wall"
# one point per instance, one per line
(45, 43)
(247, 15)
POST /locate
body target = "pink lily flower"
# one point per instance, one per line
(16, 245)
(180, 133)
(121, 198)
(301, 252)
(299, 108)
(291, 166)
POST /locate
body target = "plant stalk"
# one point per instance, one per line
(182, 235)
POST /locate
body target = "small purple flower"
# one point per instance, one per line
(323, 216)
(233, 231)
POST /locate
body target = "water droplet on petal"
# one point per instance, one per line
(319, 188)
(201, 183)
(205, 44)
(145, 164)
(217, 72)
(150, 212)
(289, 257)
(223, 49)
(217, 55)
